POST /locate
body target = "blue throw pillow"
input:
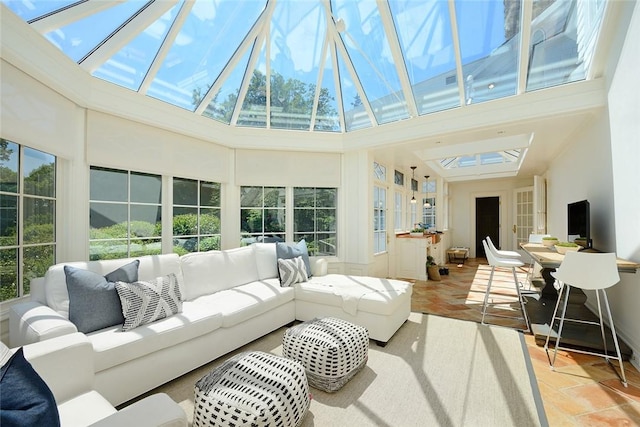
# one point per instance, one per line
(94, 303)
(26, 398)
(288, 251)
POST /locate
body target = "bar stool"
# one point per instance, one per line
(593, 271)
(501, 253)
(511, 263)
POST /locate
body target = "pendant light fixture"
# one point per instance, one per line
(426, 203)
(413, 176)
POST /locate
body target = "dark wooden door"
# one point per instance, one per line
(487, 222)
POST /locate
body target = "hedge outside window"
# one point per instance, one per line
(262, 214)
(27, 219)
(314, 219)
(125, 215)
(196, 216)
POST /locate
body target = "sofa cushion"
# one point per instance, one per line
(113, 347)
(146, 302)
(214, 271)
(355, 293)
(292, 271)
(93, 301)
(247, 301)
(26, 398)
(292, 250)
(151, 266)
(266, 260)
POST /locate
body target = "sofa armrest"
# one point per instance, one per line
(155, 410)
(65, 363)
(319, 266)
(31, 322)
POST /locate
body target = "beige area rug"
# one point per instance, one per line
(435, 371)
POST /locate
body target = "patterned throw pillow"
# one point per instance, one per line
(292, 271)
(146, 302)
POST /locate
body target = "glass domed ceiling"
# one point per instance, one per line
(322, 65)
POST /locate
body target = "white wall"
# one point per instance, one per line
(603, 165)
(624, 114)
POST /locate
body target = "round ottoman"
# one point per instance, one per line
(252, 389)
(332, 350)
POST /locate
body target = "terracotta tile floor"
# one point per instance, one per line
(582, 391)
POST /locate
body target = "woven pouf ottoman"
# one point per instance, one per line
(252, 389)
(332, 350)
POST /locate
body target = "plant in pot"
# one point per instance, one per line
(416, 232)
(433, 271)
(564, 247)
(549, 240)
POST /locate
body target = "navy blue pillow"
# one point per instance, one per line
(94, 303)
(26, 398)
(289, 251)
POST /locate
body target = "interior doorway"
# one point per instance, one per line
(487, 222)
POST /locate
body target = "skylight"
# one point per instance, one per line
(324, 66)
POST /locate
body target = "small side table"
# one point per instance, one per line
(457, 254)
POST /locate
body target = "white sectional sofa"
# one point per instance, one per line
(230, 298)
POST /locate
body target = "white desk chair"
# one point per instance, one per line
(511, 263)
(593, 271)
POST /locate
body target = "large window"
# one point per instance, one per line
(314, 216)
(27, 217)
(262, 214)
(196, 215)
(397, 210)
(125, 214)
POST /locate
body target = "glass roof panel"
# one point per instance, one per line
(424, 33)
(297, 35)
(355, 115)
(210, 35)
(561, 33)
(30, 10)
(224, 102)
(368, 48)
(254, 108)
(298, 49)
(79, 38)
(327, 118)
(489, 46)
(130, 65)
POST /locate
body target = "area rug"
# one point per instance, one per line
(435, 371)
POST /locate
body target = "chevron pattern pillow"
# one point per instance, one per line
(292, 271)
(146, 302)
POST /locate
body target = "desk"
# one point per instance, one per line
(540, 307)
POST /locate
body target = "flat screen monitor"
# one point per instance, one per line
(578, 223)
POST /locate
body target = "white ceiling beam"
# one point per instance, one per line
(331, 28)
(455, 38)
(525, 41)
(126, 32)
(398, 57)
(247, 42)
(167, 43)
(70, 14)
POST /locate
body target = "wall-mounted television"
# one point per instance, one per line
(578, 223)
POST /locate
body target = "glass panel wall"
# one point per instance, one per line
(196, 216)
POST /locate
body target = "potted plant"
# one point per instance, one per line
(564, 247)
(549, 240)
(417, 232)
(433, 271)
